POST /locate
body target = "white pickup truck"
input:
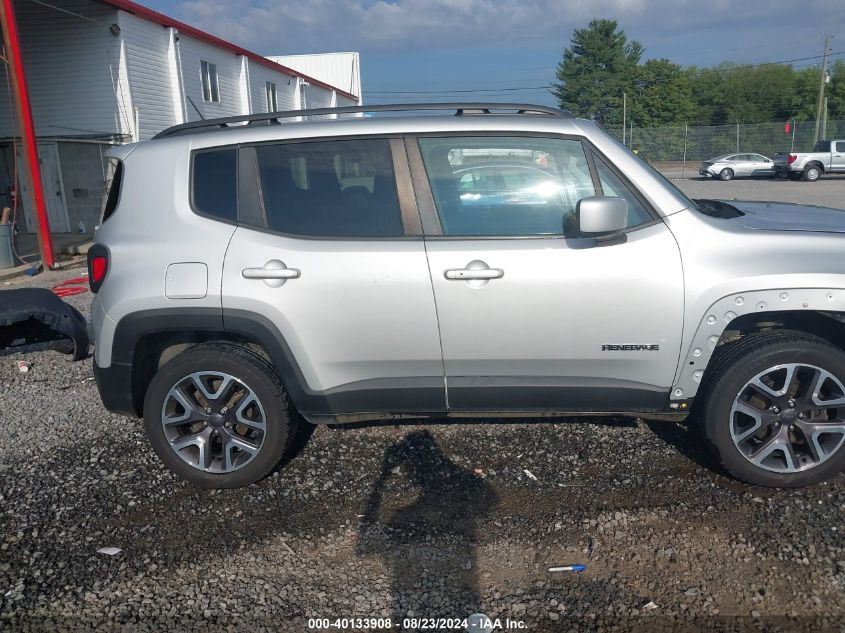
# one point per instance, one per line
(826, 157)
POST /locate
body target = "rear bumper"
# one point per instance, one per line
(115, 386)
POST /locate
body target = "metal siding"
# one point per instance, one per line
(73, 70)
(192, 52)
(316, 97)
(344, 101)
(341, 70)
(285, 88)
(149, 74)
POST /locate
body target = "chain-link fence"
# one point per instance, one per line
(695, 143)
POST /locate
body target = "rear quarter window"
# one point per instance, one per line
(114, 191)
(214, 188)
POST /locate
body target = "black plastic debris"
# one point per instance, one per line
(36, 315)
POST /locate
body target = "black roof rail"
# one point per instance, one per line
(269, 118)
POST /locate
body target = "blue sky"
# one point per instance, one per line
(449, 45)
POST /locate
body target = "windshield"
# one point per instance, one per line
(686, 199)
(822, 146)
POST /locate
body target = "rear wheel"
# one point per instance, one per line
(217, 416)
(811, 174)
(726, 174)
(774, 411)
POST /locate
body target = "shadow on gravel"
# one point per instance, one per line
(613, 421)
(430, 542)
(687, 441)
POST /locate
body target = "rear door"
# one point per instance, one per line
(329, 253)
(534, 316)
(744, 165)
(837, 159)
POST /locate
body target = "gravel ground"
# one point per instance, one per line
(433, 520)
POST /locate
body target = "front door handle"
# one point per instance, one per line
(274, 273)
(477, 273)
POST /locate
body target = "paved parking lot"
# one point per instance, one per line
(433, 520)
(828, 192)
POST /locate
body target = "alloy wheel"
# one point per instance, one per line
(213, 421)
(789, 418)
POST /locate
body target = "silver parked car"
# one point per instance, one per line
(732, 166)
(509, 261)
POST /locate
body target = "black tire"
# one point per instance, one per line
(281, 421)
(726, 174)
(732, 367)
(811, 173)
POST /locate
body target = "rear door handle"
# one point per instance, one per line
(274, 273)
(466, 274)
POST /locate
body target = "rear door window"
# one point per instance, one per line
(332, 189)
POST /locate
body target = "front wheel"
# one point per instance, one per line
(217, 416)
(774, 409)
(726, 174)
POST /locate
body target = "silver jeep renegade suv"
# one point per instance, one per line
(483, 260)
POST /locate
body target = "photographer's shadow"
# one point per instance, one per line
(429, 544)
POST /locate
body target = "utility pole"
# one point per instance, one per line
(821, 88)
(624, 115)
(824, 119)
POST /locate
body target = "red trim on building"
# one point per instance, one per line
(187, 29)
(28, 140)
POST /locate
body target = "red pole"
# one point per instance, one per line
(12, 42)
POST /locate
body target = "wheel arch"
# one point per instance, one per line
(816, 311)
(144, 341)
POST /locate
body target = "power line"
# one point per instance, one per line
(428, 92)
(447, 91)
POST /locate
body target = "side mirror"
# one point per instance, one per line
(602, 217)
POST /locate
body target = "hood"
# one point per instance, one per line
(785, 216)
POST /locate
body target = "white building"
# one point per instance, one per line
(336, 69)
(103, 72)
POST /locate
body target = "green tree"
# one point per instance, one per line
(706, 86)
(662, 95)
(836, 91)
(599, 65)
(805, 94)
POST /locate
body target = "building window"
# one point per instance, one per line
(270, 90)
(210, 87)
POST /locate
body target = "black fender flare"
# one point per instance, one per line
(363, 396)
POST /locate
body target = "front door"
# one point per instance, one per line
(761, 166)
(337, 265)
(54, 196)
(533, 315)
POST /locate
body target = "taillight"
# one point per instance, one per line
(98, 266)
(791, 159)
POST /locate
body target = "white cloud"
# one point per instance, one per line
(297, 26)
